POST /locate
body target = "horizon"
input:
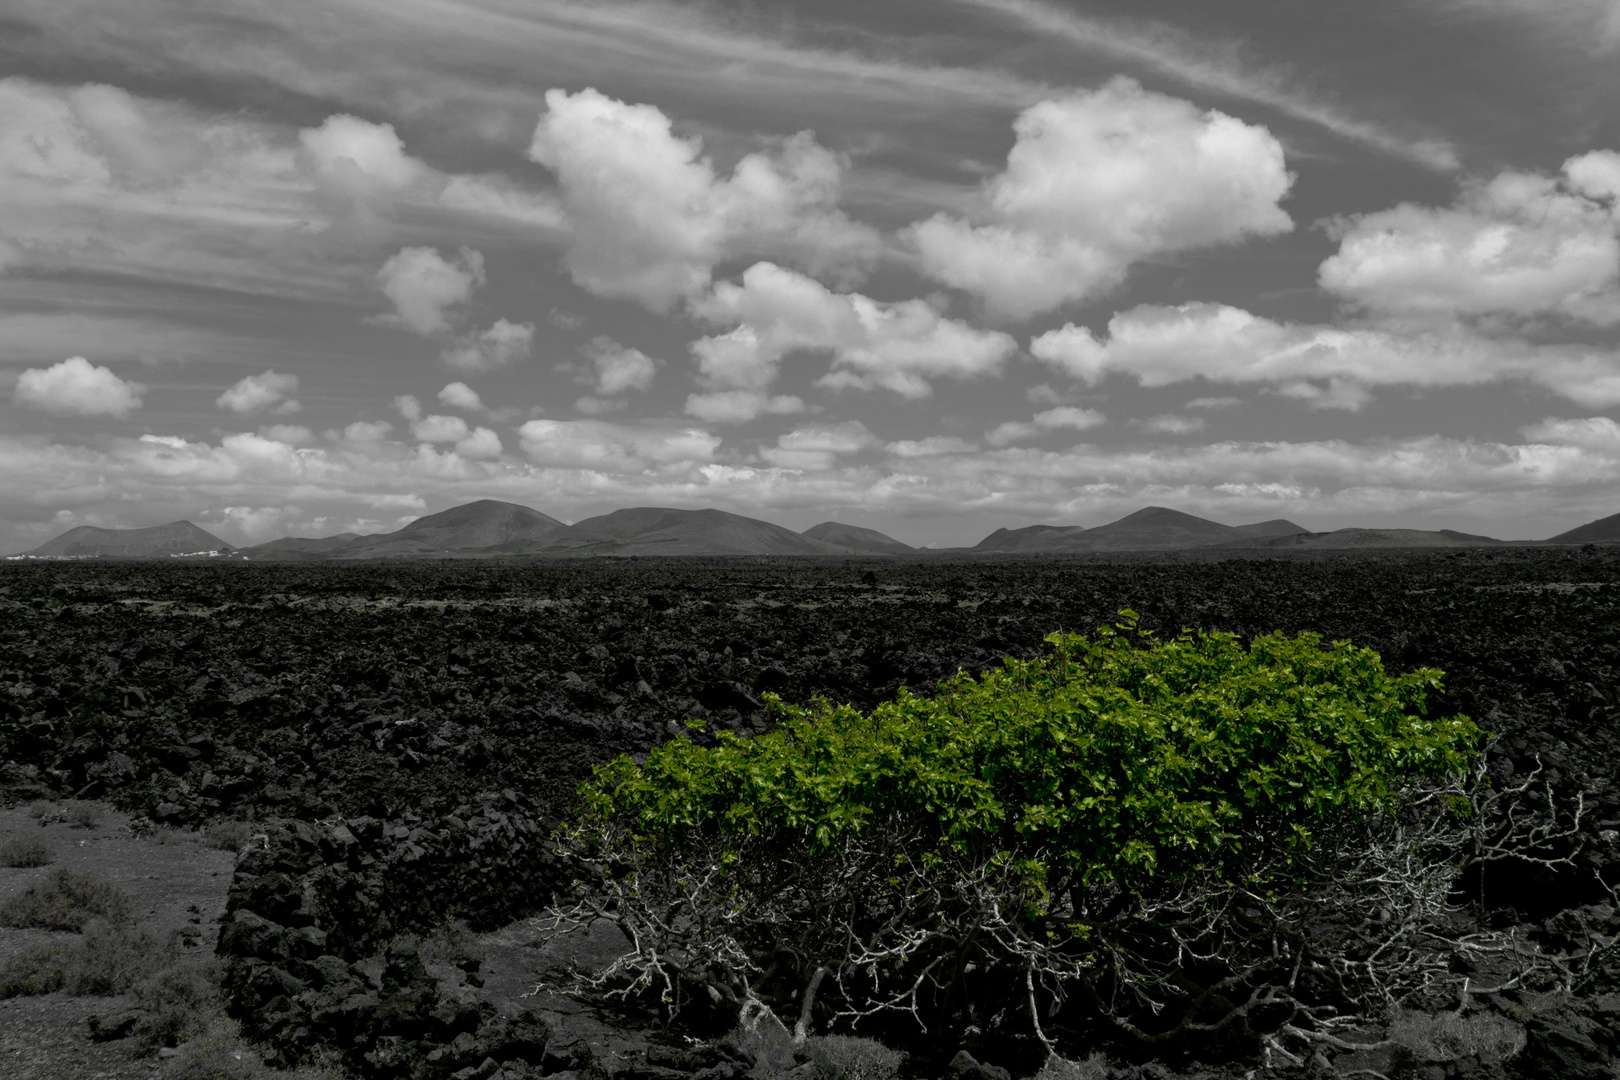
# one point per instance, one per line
(930, 546)
(933, 269)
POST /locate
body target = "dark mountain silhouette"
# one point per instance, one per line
(298, 547)
(1153, 528)
(653, 530)
(1031, 538)
(1346, 539)
(1592, 532)
(1274, 527)
(475, 525)
(856, 538)
(89, 542)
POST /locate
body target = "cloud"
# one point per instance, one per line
(360, 157)
(1064, 417)
(255, 393)
(898, 346)
(1171, 424)
(602, 446)
(76, 387)
(440, 429)
(424, 285)
(1216, 66)
(1329, 367)
(1214, 402)
(593, 465)
(1593, 25)
(1594, 432)
(1098, 181)
(293, 434)
(1520, 245)
(651, 218)
(933, 446)
(741, 406)
(619, 368)
(458, 395)
(367, 431)
(818, 447)
(408, 407)
(480, 444)
(503, 343)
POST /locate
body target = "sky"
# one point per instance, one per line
(934, 267)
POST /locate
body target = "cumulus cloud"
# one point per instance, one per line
(479, 444)
(367, 431)
(424, 286)
(1171, 424)
(933, 446)
(1328, 367)
(359, 157)
(741, 406)
(496, 347)
(1064, 417)
(593, 464)
(256, 393)
(1594, 432)
(76, 387)
(651, 217)
(440, 429)
(408, 406)
(619, 368)
(898, 346)
(458, 395)
(1098, 181)
(1519, 245)
(600, 445)
(818, 447)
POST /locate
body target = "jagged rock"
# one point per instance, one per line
(964, 1066)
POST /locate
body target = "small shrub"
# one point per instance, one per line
(40, 968)
(844, 1057)
(25, 851)
(1094, 1067)
(84, 816)
(177, 1003)
(228, 835)
(65, 901)
(114, 958)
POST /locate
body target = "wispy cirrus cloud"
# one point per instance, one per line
(1200, 64)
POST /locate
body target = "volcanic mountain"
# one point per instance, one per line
(298, 547)
(1592, 532)
(655, 530)
(1153, 528)
(175, 538)
(1347, 539)
(856, 538)
(482, 524)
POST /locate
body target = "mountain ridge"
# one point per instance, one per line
(492, 528)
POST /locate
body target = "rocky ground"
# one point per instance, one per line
(402, 738)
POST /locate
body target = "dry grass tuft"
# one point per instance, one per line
(25, 851)
(228, 835)
(65, 901)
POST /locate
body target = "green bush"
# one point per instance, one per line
(1114, 754)
(1179, 837)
